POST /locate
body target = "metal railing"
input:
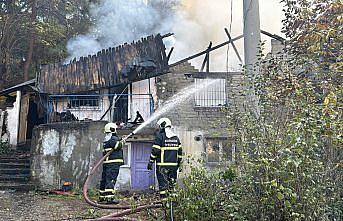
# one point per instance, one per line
(111, 107)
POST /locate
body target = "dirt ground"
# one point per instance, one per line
(35, 206)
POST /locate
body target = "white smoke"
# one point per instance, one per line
(120, 21)
(195, 23)
(204, 21)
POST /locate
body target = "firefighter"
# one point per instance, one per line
(111, 164)
(167, 152)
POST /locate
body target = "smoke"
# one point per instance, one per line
(120, 21)
(205, 22)
(195, 23)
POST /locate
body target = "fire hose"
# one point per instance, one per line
(126, 209)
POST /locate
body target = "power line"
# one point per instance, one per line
(228, 46)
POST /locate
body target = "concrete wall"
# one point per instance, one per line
(66, 152)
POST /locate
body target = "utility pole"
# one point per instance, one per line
(252, 33)
(252, 38)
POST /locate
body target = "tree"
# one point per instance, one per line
(289, 163)
(32, 37)
(35, 32)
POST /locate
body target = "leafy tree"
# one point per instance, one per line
(34, 32)
(289, 163)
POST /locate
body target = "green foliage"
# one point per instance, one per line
(54, 24)
(289, 144)
(205, 195)
(4, 147)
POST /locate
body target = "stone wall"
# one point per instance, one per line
(66, 152)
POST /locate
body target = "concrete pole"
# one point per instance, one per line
(252, 38)
(252, 32)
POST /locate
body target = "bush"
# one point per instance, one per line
(4, 147)
(290, 143)
(206, 195)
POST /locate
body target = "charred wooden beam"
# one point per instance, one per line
(167, 35)
(211, 75)
(206, 59)
(204, 52)
(233, 45)
(170, 53)
(277, 37)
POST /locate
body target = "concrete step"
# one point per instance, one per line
(17, 186)
(15, 155)
(14, 178)
(26, 146)
(14, 160)
(14, 171)
(14, 165)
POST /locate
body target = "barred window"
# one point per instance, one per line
(212, 96)
(83, 101)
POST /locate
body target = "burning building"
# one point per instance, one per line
(113, 85)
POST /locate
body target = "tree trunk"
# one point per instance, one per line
(31, 40)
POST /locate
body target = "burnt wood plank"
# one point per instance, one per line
(105, 68)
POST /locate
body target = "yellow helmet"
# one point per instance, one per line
(110, 128)
(164, 122)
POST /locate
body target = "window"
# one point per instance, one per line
(212, 96)
(83, 101)
(219, 150)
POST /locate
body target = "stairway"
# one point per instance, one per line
(15, 171)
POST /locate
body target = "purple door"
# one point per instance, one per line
(141, 178)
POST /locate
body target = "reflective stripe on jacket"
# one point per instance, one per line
(166, 151)
(117, 155)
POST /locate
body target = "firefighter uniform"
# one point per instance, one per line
(167, 152)
(111, 167)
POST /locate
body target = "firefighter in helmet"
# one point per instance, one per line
(111, 164)
(167, 152)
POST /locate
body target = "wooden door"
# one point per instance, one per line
(141, 177)
(24, 107)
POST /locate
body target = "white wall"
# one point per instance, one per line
(94, 113)
(13, 120)
(141, 103)
(192, 149)
(67, 152)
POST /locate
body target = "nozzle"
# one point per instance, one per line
(126, 137)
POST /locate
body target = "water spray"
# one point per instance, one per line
(175, 100)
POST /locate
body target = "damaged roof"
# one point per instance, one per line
(29, 83)
(126, 63)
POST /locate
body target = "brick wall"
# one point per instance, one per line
(211, 121)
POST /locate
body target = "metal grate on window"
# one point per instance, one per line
(212, 96)
(84, 102)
